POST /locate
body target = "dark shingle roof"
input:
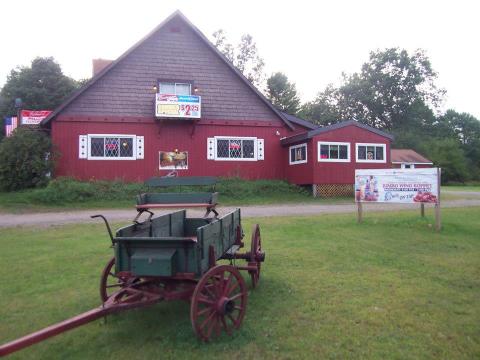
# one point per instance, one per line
(309, 134)
(301, 122)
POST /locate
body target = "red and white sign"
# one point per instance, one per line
(34, 117)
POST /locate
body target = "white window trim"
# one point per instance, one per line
(134, 145)
(384, 146)
(320, 143)
(255, 148)
(296, 147)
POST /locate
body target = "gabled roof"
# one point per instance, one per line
(408, 156)
(298, 121)
(309, 134)
(176, 14)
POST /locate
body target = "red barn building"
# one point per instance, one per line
(174, 102)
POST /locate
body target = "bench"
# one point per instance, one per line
(168, 200)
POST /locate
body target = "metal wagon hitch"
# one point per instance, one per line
(106, 224)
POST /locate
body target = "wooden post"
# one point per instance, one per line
(438, 222)
(359, 212)
(422, 209)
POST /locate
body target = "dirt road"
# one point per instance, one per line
(69, 217)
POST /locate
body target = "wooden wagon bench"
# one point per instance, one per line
(151, 200)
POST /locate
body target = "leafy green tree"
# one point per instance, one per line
(384, 93)
(244, 56)
(448, 154)
(25, 159)
(465, 126)
(282, 93)
(42, 86)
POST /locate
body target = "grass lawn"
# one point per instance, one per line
(390, 288)
(475, 188)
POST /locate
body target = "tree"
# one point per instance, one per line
(465, 126)
(385, 92)
(42, 86)
(448, 155)
(283, 94)
(25, 159)
(244, 56)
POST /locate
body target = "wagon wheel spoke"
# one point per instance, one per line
(226, 287)
(207, 320)
(228, 330)
(236, 296)
(204, 311)
(205, 301)
(114, 285)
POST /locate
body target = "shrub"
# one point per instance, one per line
(25, 160)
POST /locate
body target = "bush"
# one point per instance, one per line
(66, 190)
(25, 160)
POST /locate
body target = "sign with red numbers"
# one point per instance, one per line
(178, 106)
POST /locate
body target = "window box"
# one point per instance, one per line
(371, 153)
(333, 151)
(297, 154)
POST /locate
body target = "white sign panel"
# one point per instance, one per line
(397, 185)
(178, 106)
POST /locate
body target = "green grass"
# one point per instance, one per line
(475, 188)
(390, 288)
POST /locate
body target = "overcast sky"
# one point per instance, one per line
(312, 42)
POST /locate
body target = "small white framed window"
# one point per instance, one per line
(371, 153)
(114, 147)
(332, 151)
(234, 148)
(297, 154)
(174, 88)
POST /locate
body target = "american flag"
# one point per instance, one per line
(10, 125)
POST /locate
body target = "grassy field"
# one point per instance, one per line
(475, 188)
(388, 288)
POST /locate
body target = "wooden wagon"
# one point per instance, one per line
(174, 257)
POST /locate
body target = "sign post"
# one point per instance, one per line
(406, 186)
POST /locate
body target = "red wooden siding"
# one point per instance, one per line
(167, 137)
(344, 173)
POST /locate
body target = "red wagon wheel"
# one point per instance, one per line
(218, 302)
(256, 255)
(109, 282)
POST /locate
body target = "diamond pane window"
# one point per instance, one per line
(105, 147)
(126, 147)
(236, 148)
(97, 147)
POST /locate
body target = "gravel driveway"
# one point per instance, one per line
(83, 216)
